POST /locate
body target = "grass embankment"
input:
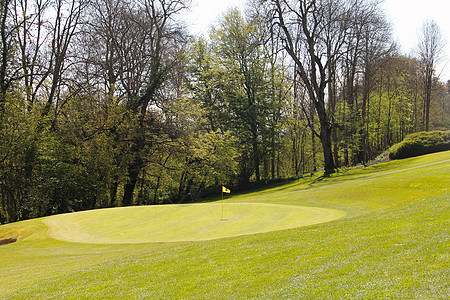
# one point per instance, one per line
(392, 244)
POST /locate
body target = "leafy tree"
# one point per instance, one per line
(238, 46)
(17, 147)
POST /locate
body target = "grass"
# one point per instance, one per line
(393, 244)
(183, 222)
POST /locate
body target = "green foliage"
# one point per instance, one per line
(240, 85)
(19, 137)
(56, 167)
(420, 143)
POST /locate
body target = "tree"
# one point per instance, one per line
(430, 50)
(302, 24)
(368, 41)
(149, 54)
(63, 27)
(204, 83)
(32, 37)
(238, 45)
(9, 70)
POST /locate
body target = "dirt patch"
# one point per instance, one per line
(7, 241)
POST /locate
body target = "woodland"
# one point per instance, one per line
(107, 103)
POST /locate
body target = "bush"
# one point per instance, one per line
(420, 143)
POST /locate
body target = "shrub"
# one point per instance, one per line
(420, 143)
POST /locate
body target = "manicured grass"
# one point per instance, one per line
(393, 244)
(183, 222)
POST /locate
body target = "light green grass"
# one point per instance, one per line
(393, 244)
(183, 222)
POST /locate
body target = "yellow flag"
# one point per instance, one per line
(225, 190)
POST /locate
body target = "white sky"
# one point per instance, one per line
(407, 17)
(204, 13)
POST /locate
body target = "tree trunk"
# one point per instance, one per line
(134, 169)
(325, 135)
(325, 139)
(133, 173)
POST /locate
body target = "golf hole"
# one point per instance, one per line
(183, 222)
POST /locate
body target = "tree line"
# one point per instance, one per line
(109, 103)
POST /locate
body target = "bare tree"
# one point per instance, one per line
(326, 40)
(430, 50)
(44, 32)
(32, 37)
(64, 27)
(303, 24)
(102, 34)
(9, 67)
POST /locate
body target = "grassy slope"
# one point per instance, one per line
(393, 244)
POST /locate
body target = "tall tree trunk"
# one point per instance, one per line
(136, 164)
(133, 174)
(325, 139)
(325, 135)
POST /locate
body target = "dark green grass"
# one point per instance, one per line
(393, 245)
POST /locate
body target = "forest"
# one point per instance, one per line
(108, 103)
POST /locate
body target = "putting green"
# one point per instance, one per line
(184, 222)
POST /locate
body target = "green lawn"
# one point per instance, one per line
(183, 222)
(393, 243)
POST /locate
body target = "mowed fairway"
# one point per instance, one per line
(385, 236)
(183, 222)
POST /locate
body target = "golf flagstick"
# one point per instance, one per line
(222, 206)
(224, 190)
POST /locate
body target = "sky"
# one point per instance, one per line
(406, 16)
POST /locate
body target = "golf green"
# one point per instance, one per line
(183, 222)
